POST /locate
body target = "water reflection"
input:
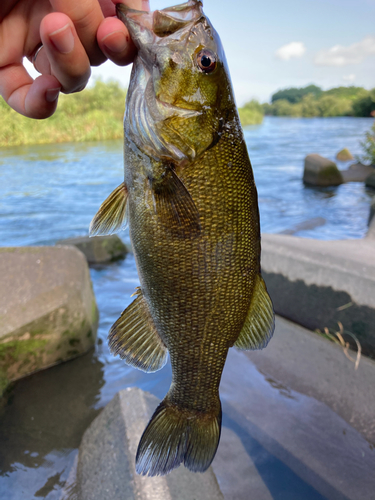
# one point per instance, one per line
(49, 411)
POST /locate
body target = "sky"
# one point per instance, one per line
(274, 44)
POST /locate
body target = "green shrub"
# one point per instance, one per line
(251, 113)
(368, 146)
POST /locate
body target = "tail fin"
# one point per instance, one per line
(175, 435)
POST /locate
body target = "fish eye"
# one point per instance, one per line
(206, 61)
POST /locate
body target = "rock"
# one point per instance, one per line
(370, 180)
(371, 221)
(372, 211)
(48, 312)
(320, 283)
(356, 172)
(106, 462)
(99, 248)
(320, 171)
(344, 155)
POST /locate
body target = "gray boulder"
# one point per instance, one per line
(370, 180)
(344, 155)
(48, 312)
(105, 468)
(320, 283)
(356, 173)
(320, 171)
(98, 249)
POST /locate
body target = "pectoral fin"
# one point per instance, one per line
(111, 216)
(135, 338)
(260, 322)
(174, 205)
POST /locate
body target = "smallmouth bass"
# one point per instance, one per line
(191, 203)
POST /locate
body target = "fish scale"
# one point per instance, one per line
(191, 202)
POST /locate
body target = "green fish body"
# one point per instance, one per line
(191, 202)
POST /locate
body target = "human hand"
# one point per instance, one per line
(75, 35)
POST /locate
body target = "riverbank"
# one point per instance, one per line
(95, 114)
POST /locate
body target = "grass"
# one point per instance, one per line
(338, 338)
(96, 114)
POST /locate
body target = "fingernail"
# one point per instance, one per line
(52, 94)
(115, 42)
(63, 39)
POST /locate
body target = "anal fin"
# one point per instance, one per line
(135, 338)
(260, 321)
(174, 205)
(111, 216)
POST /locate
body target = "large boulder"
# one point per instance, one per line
(356, 173)
(320, 283)
(320, 171)
(98, 249)
(344, 155)
(48, 312)
(105, 468)
(370, 180)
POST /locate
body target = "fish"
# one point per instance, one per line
(190, 201)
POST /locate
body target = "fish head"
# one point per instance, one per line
(180, 92)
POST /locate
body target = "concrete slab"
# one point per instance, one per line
(320, 283)
(105, 468)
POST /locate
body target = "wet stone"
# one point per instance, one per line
(357, 173)
(98, 249)
(320, 171)
(371, 221)
(48, 312)
(344, 155)
(370, 180)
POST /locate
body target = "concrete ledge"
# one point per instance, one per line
(106, 463)
(318, 283)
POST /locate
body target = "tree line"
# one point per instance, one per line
(312, 101)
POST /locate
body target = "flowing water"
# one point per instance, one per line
(51, 192)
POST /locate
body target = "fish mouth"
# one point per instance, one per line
(145, 27)
(147, 114)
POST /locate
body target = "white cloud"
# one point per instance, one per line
(342, 56)
(349, 78)
(290, 50)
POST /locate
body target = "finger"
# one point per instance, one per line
(115, 42)
(114, 39)
(34, 99)
(86, 16)
(66, 54)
